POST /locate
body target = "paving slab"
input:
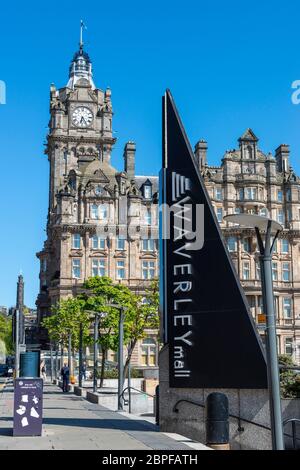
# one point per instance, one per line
(70, 422)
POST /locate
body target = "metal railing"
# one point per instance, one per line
(294, 421)
(128, 402)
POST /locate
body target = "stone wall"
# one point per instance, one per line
(252, 405)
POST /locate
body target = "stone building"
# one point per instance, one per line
(252, 182)
(102, 221)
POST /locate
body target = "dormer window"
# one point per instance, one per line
(147, 189)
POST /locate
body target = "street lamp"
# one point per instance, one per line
(267, 227)
(120, 354)
(96, 334)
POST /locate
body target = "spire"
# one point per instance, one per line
(81, 65)
(82, 26)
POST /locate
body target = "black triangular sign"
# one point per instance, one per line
(213, 341)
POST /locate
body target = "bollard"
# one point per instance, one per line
(157, 405)
(217, 421)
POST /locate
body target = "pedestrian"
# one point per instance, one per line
(43, 371)
(83, 375)
(65, 374)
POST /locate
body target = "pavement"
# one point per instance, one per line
(71, 422)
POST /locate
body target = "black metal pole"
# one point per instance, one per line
(96, 327)
(129, 387)
(56, 361)
(80, 356)
(271, 338)
(70, 353)
(120, 360)
(51, 362)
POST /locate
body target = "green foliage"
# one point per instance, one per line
(6, 333)
(289, 379)
(66, 318)
(99, 292)
(113, 374)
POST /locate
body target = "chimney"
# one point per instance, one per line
(201, 153)
(129, 159)
(282, 154)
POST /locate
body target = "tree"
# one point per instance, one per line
(140, 314)
(66, 318)
(101, 291)
(289, 378)
(143, 316)
(6, 333)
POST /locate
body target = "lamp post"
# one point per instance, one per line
(96, 329)
(80, 355)
(267, 227)
(96, 335)
(120, 354)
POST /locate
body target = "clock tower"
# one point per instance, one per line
(91, 203)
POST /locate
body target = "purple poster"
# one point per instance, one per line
(28, 407)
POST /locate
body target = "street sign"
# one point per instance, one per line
(28, 407)
(213, 341)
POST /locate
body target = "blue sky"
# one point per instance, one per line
(229, 64)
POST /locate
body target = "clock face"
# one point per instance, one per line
(82, 117)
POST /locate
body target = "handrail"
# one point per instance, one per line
(240, 428)
(137, 390)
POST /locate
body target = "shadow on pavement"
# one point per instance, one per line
(118, 424)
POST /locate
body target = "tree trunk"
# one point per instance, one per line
(104, 354)
(130, 351)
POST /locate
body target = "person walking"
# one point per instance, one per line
(43, 371)
(83, 371)
(65, 374)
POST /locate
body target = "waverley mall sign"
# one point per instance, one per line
(212, 339)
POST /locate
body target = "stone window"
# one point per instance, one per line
(98, 267)
(232, 244)
(280, 216)
(98, 243)
(147, 191)
(246, 270)
(219, 194)
(148, 217)
(279, 195)
(120, 243)
(76, 269)
(120, 269)
(148, 269)
(220, 214)
(287, 308)
(94, 212)
(286, 273)
(285, 246)
(275, 247)
(76, 241)
(251, 194)
(275, 271)
(149, 352)
(246, 245)
(288, 346)
(148, 245)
